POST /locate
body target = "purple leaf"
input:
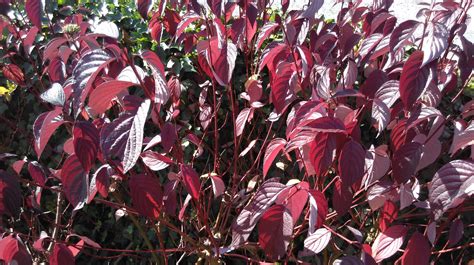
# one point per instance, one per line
(34, 9)
(316, 242)
(273, 148)
(143, 7)
(75, 182)
(218, 186)
(146, 194)
(388, 93)
(403, 34)
(191, 181)
(155, 161)
(451, 185)
(264, 33)
(380, 114)
(435, 41)
(61, 255)
(124, 136)
(37, 173)
(84, 74)
(405, 161)
(10, 195)
(417, 251)
(86, 143)
(387, 243)
(241, 121)
(456, 231)
(54, 95)
(351, 163)
(413, 79)
(462, 138)
(274, 231)
(101, 97)
(44, 127)
(322, 151)
(312, 9)
(249, 216)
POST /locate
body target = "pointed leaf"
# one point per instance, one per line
(317, 242)
(274, 231)
(273, 148)
(147, 196)
(387, 243)
(405, 161)
(191, 181)
(44, 127)
(34, 9)
(413, 79)
(75, 182)
(351, 163)
(451, 185)
(54, 95)
(86, 143)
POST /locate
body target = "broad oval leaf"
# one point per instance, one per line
(451, 185)
(380, 114)
(84, 74)
(61, 255)
(34, 9)
(322, 150)
(101, 97)
(13, 251)
(124, 136)
(147, 196)
(435, 41)
(412, 79)
(241, 120)
(403, 34)
(54, 95)
(10, 195)
(37, 173)
(86, 143)
(44, 127)
(318, 210)
(316, 242)
(417, 251)
(249, 216)
(405, 161)
(264, 33)
(389, 92)
(351, 163)
(273, 148)
(155, 161)
(75, 182)
(387, 243)
(191, 181)
(274, 231)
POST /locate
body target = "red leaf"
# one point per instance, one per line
(249, 216)
(144, 7)
(44, 127)
(351, 163)
(435, 41)
(318, 210)
(146, 194)
(283, 85)
(388, 242)
(341, 198)
(316, 242)
(456, 231)
(75, 182)
(188, 18)
(388, 214)
(322, 152)
(61, 255)
(273, 148)
(155, 161)
(86, 143)
(241, 120)
(218, 186)
(418, 250)
(10, 195)
(451, 185)
(191, 181)
(84, 74)
(101, 97)
(405, 161)
(101, 179)
(37, 173)
(33, 9)
(402, 35)
(294, 199)
(264, 33)
(274, 231)
(12, 251)
(13, 73)
(412, 79)
(124, 136)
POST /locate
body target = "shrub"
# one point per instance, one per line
(233, 132)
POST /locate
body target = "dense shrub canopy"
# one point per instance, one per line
(235, 132)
